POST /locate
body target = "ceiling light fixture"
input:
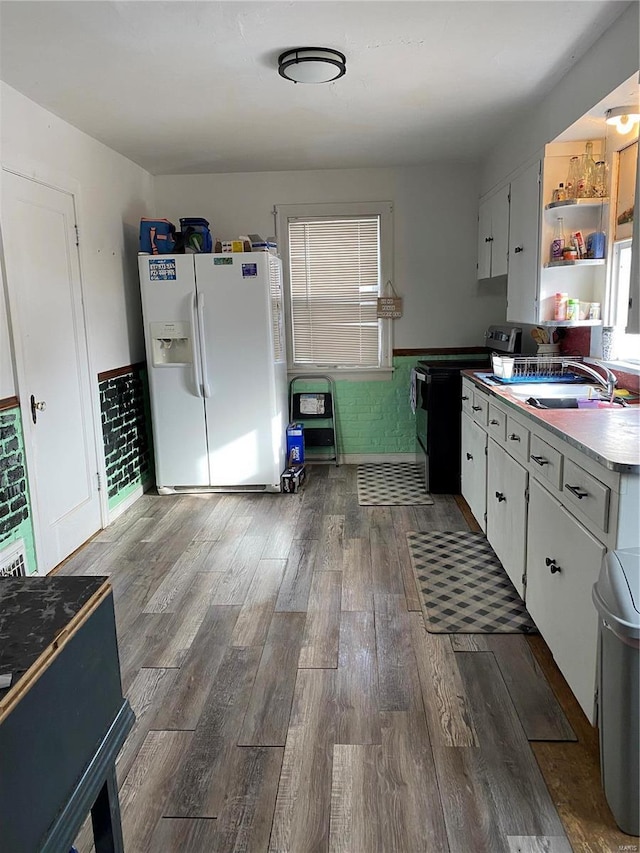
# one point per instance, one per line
(312, 64)
(623, 118)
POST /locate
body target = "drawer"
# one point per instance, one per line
(586, 493)
(517, 440)
(545, 462)
(467, 397)
(480, 408)
(497, 426)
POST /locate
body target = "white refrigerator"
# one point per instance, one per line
(216, 358)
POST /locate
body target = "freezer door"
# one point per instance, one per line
(167, 285)
(245, 377)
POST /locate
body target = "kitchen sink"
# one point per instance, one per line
(553, 390)
(562, 402)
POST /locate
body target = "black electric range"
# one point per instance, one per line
(438, 407)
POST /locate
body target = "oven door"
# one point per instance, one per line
(422, 397)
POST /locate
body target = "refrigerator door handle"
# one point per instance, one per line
(197, 378)
(206, 390)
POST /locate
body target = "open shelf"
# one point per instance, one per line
(582, 262)
(569, 323)
(576, 202)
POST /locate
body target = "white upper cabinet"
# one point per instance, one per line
(524, 219)
(493, 234)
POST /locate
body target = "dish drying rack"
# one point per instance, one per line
(533, 368)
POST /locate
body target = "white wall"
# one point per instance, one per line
(435, 210)
(608, 63)
(7, 385)
(113, 194)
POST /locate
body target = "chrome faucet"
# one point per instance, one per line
(608, 381)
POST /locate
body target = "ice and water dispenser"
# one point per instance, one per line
(171, 344)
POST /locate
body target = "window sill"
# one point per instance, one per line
(347, 374)
(625, 366)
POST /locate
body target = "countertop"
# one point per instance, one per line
(33, 613)
(609, 436)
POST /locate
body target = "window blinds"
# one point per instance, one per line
(334, 266)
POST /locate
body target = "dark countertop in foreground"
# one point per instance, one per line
(33, 613)
(609, 436)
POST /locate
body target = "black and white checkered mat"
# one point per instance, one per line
(391, 484)
(463, 587)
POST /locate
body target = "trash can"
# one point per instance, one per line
(616, 595)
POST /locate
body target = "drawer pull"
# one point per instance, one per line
(514, 437)
(494, 422)
(469, 456)
(554, 568)
(477, 408)
(464, 397)
(577, 491)
(539, 460)
(500, 497)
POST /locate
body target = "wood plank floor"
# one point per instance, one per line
(289, 699)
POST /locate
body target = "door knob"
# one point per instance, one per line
(36, 406)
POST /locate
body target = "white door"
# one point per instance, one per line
(524, 221)
(474, 469)
(563, 562)
(45, 299)
(177, 406)
(507, 512)
(245, 421)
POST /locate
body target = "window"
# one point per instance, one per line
(627, 346)
(337, 263)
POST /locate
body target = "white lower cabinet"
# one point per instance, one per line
(474, 468)
(563, 562)
(507, 512)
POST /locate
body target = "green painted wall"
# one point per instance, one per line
(372, 417)
(375, 417)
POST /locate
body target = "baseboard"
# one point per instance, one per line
(376, 458)
(129, 501)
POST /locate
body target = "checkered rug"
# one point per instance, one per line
(463, 587)
(391, 484)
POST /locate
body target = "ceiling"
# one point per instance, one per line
(192, 87)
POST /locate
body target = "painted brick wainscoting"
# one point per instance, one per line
(15, 505)
(124, 406)
(372, 417)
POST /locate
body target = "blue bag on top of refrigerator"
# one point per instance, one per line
(196, 235)
(157, 236)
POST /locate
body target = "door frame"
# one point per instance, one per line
(45, 175)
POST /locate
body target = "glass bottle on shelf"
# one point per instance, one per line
(600, 180)
(558, 241)
(559, 194)
(571, 183)
(584, 188)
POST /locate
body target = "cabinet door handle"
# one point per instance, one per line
(469, 456)
(477, 408)
(494, 422)
(488, 239)
(539, 460)
(500, 497)
(464, 398)
(514, 437)
(553, 567)
(577, 491)
(518, 249)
